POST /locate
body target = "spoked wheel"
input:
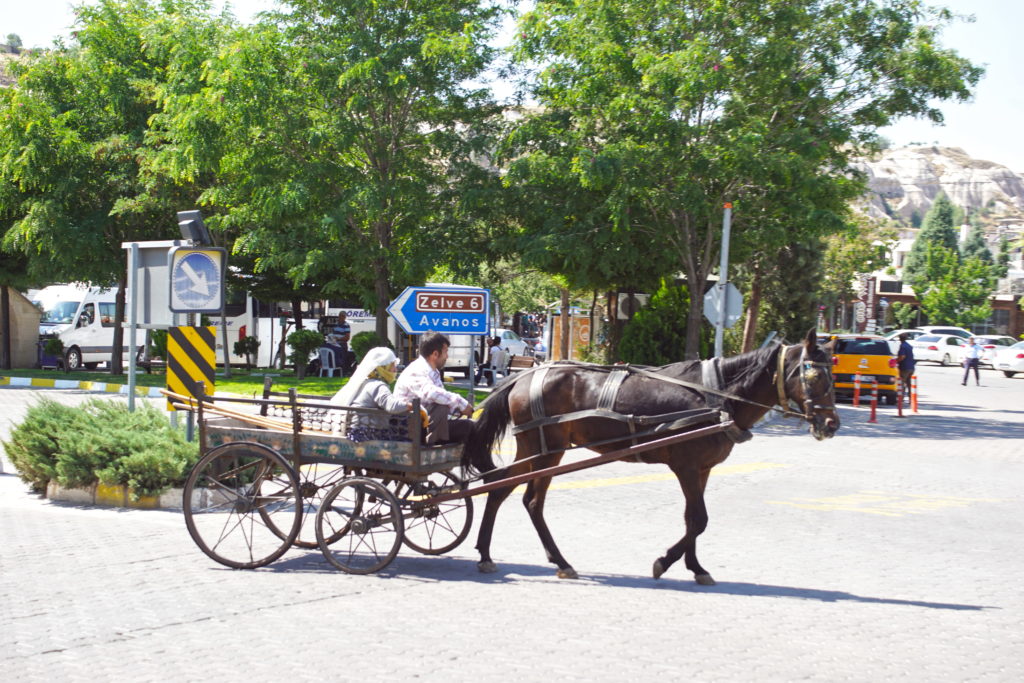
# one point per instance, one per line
(315, 481)
(367, 520)
(231, 494)
(434, 529)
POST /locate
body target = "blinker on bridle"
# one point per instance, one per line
(809, 373)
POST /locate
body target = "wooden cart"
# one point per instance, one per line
(264, 484)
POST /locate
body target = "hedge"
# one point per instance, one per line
(100, 441)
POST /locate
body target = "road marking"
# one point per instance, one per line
(885, 504)
(661, 476)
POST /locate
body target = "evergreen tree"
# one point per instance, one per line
(1003, 257)
(975, 247)
(937, 230)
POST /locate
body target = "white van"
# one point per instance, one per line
(83, 318)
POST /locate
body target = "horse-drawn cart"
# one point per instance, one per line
(264, 484)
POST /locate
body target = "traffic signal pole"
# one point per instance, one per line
(723, 280)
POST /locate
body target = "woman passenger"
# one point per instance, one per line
(369, 388)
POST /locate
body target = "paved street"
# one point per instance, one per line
(890, 552)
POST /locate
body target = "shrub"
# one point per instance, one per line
(158, 344)
(303, 343)
(100, 441)
(248, 347)
(364, 341)
(657, 333)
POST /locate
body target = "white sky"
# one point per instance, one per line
(984, 127)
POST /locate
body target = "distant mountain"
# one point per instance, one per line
(904, 182)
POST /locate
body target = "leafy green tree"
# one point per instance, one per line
(75, 141)
(1003, 257)
(959, 290)
(903, 313)
(657, 333)
(937, 230)
(975, 247)
(341, 136)
(661, 111)
(13, 41)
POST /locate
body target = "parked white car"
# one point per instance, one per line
(947, 329)
(1010, 359)
(512, 342)
(943, 349)
(911, 334)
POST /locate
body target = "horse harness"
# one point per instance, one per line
(711, 385)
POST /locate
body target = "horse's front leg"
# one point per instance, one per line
(536, 492)
(693, 482)
(483, 540)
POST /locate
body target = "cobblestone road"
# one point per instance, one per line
(889, 552)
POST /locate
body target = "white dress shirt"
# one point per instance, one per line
(421, 381)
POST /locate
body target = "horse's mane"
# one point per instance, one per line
(740, 372)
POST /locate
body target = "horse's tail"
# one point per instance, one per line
(492, 423)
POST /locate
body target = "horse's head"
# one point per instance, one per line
(807, 373)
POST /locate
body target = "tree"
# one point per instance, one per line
(664, 110)
(1003, 257)
(937, 230)
(13, 41)
(75, 143)
(341, 135)
(959, 290)
(975, 247)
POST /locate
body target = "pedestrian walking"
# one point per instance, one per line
(972, 359)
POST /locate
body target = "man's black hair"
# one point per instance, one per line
(433, 341)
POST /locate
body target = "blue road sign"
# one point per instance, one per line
(454, 310)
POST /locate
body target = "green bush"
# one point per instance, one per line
(248, 347)
(303, 343)
(100, 441)
(364, 341)
(158, 344)
(657, 333)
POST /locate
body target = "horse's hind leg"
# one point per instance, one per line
(483, 539)
(536, 492)
(692, 482)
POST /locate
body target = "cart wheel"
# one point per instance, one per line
(435, 529)
(366, 517)
(315, 480)
(231, 494)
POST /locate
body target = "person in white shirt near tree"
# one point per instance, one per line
(422, 379)
(972, 358)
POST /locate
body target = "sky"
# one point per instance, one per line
(986, 127)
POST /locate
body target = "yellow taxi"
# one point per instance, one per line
(871, 356)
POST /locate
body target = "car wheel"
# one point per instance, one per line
(1008, 373)
(73, 359)
(945, 360)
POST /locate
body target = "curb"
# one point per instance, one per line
(102, 495)
(85, 385)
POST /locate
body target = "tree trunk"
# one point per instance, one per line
(564, 322)
(614, 329)
(383, 293)
(5, 324)
(297, 312)
(753, 308)
(117, 353)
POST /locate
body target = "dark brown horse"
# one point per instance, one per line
(594, 399)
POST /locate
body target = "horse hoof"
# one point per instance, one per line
(659, 569)
(567, 573)
(486, 567)
(704, 579)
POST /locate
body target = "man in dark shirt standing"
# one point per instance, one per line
(905, 361)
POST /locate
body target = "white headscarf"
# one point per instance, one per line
(374, 358)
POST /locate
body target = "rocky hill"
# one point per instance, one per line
(904, 182)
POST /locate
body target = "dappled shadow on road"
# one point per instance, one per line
(447, 569)
(935, 421)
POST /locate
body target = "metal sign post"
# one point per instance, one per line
(723, 279)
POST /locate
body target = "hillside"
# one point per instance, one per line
(904, 182)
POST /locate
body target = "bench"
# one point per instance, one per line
(521, 363)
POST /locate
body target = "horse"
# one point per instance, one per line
(574, 404)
